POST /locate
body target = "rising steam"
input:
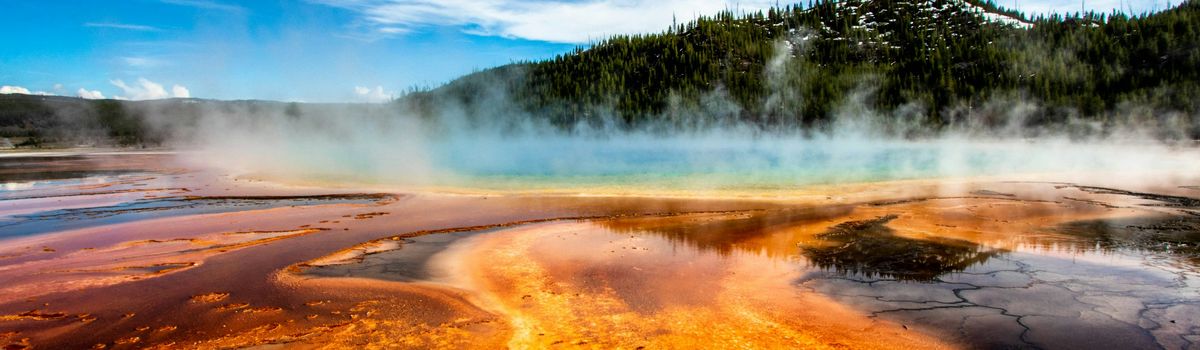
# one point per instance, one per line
(690, 149)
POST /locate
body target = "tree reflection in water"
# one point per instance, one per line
(869, 248)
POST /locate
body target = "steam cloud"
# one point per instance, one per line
(495, 145)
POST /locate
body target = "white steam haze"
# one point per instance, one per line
(689, 150)
(379, 146)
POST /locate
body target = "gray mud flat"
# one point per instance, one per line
(1105, 284)
(407, 263)
(147, 208)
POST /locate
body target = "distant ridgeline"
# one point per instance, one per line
(928, 65)
(932, 62)
(36, 121)
(60, 121)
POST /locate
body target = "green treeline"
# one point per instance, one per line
(937, 60)
(36, 120)
(926, 64)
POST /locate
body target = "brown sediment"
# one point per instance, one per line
(1091, 201)
(370, 215)
(155, 241)
(209, 297)
(127, 340)
(379, 198)
(159, 268)
(991, 193)
(1168, 200)
(232, 306)
(707, 303)
(883, 203)
(594, 298)
(549, 271)
(97, 193)
(137, 259)
(358, 252)
(259, 309)
(272, 236)
(158, 204)
(304, 229)
(433, 321)
(18, 344)
(33, 315)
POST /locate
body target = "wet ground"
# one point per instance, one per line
(136, 251)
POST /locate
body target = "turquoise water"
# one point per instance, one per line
(769, 164)
(699, 162)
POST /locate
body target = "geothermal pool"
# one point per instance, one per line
(917, 247)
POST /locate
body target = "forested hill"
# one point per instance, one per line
(935, 61)
(927, 65)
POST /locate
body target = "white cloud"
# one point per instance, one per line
(147, 90)
(205, 5)
(551, 20)
(142, 62)
(1033, 8)
(126, 26)
(180, 91)
(575, 21)
(6, 89)
(373, 95)
(394, 30)
(9, 89)
(89, 94)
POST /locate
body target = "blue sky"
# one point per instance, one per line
(320, 50)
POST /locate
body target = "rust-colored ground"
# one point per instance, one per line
(548, 271)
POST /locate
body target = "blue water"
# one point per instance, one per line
(765, 164)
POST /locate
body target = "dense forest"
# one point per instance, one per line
(935, 64)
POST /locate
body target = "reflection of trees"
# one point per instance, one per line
(1175, 235)
(870, 248)
(723, 233)
(865, 247)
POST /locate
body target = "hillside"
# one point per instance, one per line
(915, 66)
(59, 121)
(934, 61)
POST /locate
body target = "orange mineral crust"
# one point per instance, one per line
(162, 256)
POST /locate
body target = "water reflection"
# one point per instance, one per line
(869, 248)
(771, 233)
(1008, 287)
(145, 208)
(58, 178)
(1177, 236)
(866, 248)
